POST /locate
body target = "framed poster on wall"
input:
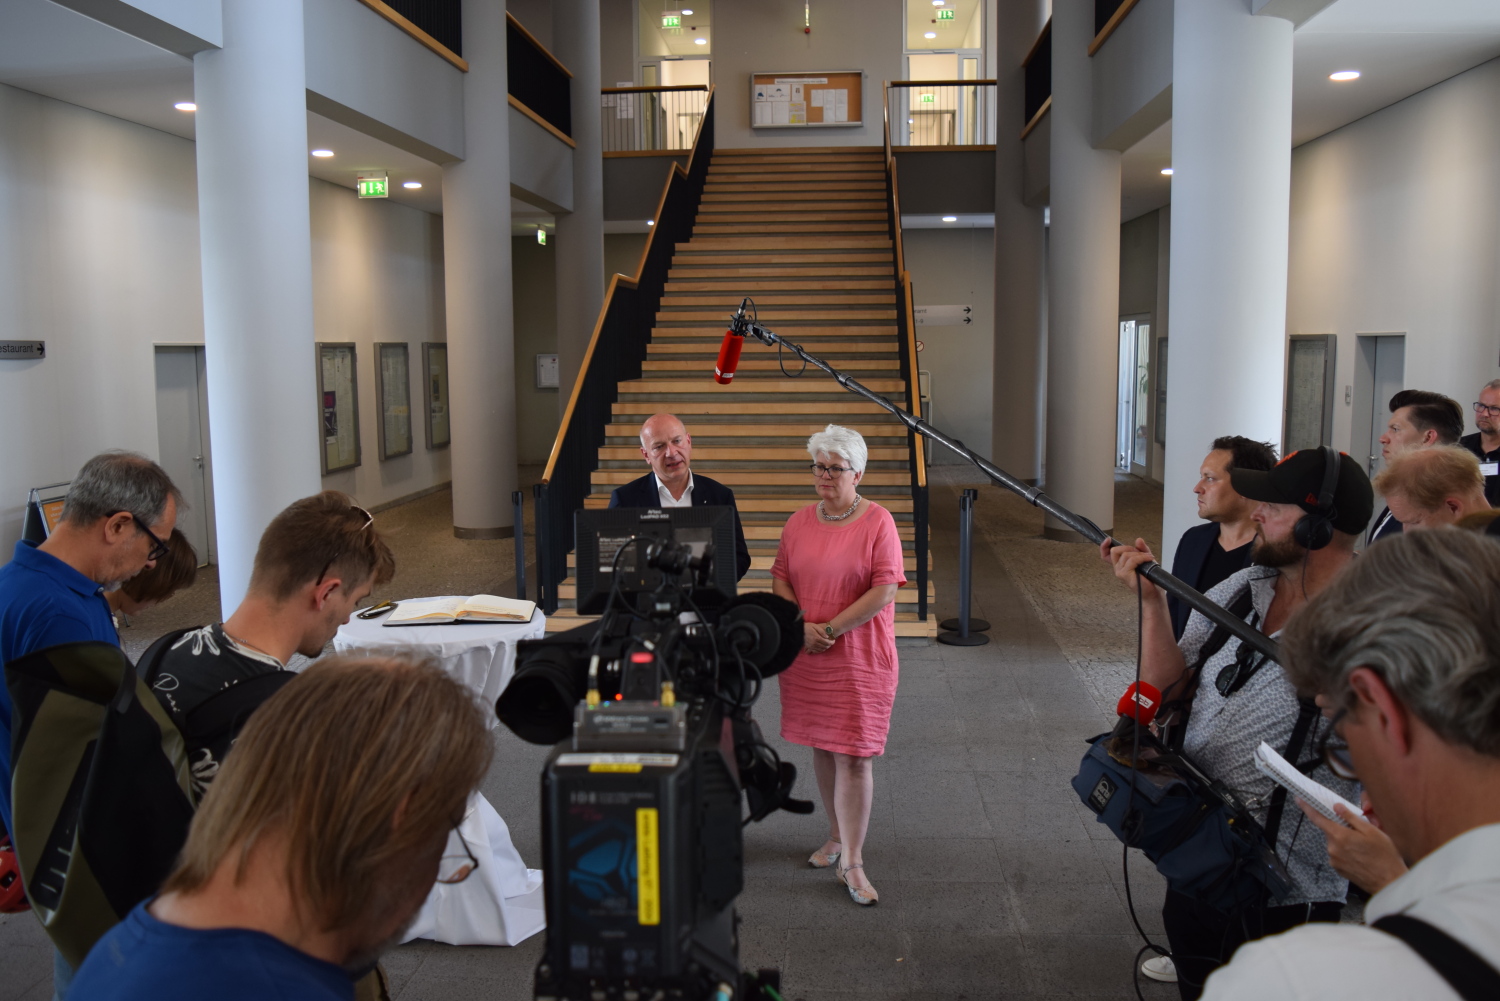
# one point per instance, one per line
(393, 399)
(435, 393)
(1309, 392)
(338, 406)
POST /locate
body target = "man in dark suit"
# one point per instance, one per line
(1419, 419)
(1208, 554)
(668, 449)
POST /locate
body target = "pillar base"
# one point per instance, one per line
(1068, 535)
(504, 532)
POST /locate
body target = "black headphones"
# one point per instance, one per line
(1314, 530)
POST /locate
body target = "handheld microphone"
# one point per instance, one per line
(729, 357)
(1140, 702)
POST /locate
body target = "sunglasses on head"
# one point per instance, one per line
(369, 520)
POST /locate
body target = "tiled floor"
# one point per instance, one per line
(994, 881)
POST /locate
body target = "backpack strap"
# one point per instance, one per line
(149, 666)
(1467, 972)
(1239, 607)
(1175, 708)
(227, 710)
(1307, 711)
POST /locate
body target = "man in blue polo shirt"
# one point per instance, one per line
(118, 512)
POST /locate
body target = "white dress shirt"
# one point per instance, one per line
(1456, 889)
(667, 500)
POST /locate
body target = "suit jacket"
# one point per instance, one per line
(644, 492)
(1187, 564)
(1383, 526)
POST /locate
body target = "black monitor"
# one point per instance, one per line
(601, 533)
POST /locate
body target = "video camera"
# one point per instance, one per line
(641, 797)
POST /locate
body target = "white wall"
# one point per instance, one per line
(951, 267)
(1395, 228)
(99, 258)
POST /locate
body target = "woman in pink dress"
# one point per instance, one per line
(840, 560)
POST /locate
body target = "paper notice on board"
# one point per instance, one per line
(780, 92)
(796, 92)
(817, 98)
(781, 112)
(840, 105)
(762, 93)
(762, 115)
(797, 113)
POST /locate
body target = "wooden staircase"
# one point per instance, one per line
(806, 234)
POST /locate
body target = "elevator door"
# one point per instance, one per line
(1379, 369)
(182, 440)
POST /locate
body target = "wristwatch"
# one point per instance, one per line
(827, 628)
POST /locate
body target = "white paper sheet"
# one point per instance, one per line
(781, 112)
(840, 105)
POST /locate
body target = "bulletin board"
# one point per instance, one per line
(822, 99)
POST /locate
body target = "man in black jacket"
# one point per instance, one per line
(668, 450)
(1419, 419)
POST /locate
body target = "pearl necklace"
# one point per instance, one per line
(838, 517)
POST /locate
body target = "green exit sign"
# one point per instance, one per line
(929, 99)
(671, 21)
(945, 15)
(373, 186)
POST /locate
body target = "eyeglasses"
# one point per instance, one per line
(158, 547)
(1334, 750)
(369, 520)
(818, 469)
(1233, 677)
(1486, 410)
(457, 868)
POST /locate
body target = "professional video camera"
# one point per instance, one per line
(641, 797)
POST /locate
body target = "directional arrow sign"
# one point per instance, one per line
(942, 316)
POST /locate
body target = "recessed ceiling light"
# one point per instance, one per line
(938, 3)
(950, 218)
(413, 185)
(185, 106)
(700, 41)
(322, 152)
(930, 34)
(650, 222)
(1166, 171)
(1343, 75)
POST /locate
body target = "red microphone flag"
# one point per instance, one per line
(729, 358)
(1140, 702)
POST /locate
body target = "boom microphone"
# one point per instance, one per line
(729, 357)
(1140, 702)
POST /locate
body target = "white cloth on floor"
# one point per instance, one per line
(501, 901)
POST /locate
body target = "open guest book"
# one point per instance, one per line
(445, 611)
(1322, 799)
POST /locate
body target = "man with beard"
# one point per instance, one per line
(316, 845)
(1485, 443)
(1311, 509)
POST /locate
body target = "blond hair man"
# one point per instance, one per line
(1432, 487)
(316, 844)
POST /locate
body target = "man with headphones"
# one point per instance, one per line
(1311, 509)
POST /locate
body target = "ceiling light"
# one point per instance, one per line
(650, 222)
(930, 34)
(322, 153)
(185, 106)
(1166, 172)
(700, 41)
(413, 185)
(938, 3)
(950, 218)
(686, 10)
(1343, 75)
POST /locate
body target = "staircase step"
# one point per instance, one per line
(769, 385)
(851, 366)
(735, 284)
(739, 174)
(851, 317)
(707, 454)
(641, 408)
(698, 268)
(782, 195)
(779, 507)
(703, 431)
(707, 244)
(814, 230)
(830, 297)
(875, 212)
(843, 330)
(708, 344)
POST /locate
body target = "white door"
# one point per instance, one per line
(182, 441)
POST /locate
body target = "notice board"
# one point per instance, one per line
(813, 99)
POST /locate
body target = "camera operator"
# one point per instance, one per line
(1402, 647)
(1312, 507)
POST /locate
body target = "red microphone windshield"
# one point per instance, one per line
(729, 358)
(1140, 702)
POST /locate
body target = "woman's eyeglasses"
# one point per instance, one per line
(829, 472)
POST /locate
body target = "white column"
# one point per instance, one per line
(580, 233)
(1019, 334)
(477, 283)
(257, 276)
(1231, 189)
(1083, 285)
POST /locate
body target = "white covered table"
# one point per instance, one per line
(501, 902)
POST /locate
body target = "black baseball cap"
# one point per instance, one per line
(1298, 479)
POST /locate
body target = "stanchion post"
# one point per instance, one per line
(965, 630)
(518, 499)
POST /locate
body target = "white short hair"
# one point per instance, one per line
(840, 441)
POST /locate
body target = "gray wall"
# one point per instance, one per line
(535, 16)
(622, 254)
(765, 36)
(950, 267)
(534, 285)
(1394, 230)
(616, 42)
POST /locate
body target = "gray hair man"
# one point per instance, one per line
(1485, 442)
(1402, 649)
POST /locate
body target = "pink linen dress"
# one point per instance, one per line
(840, 700)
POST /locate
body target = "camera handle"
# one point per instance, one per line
(742, 324)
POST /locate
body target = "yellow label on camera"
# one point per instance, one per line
(614, 767)
(647, 866)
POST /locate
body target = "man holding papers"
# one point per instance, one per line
(1402, 649)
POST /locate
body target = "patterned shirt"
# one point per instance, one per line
(1223, 733)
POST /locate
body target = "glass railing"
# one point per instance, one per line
(935, 113)
(651, 119)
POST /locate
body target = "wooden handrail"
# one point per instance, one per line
(521, 107)
(936, 83)
(1111, 25)
(914, 405)
(400, 21)
(511, 19)
(896, 218)
(614, 281)
(1040, 114)
(697, 134)
(653, 90)
(1041, 37)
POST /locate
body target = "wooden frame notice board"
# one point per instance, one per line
(813, 99)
